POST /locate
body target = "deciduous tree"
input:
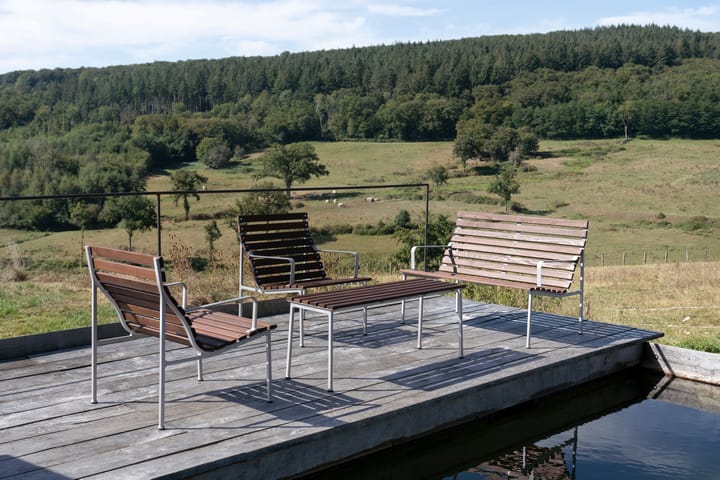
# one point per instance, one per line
(292, 163)
(132, 214)
(505, 183)
(185, 184)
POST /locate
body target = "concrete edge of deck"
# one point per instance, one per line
(682, 363)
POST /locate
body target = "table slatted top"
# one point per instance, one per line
(381, 292)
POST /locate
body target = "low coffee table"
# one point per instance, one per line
(338, 301)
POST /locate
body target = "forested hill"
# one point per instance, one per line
(445, 68)
(103, 129)
(534, 71)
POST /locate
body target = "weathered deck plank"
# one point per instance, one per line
(385, 390)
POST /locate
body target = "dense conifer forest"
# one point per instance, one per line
(104, 129)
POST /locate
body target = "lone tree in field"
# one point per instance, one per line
(505, 184)
(133, 213)
(266, 200)
(438, 175)
(212, 234)
(185, 184)
(83, 215)
(296, 162)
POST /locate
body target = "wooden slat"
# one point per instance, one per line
(248, 219)
(296, 252)
(520, 228)
(359, 296)
(524, 219)
(482, 235)
(112, 279)
(565, 274)
(534, 251)
(122, 256)
(325, 282)
(481, 280)
(284, 269)
(559, 262)
(124, 269)
(506, 276)
(223, 326)
(283, 243)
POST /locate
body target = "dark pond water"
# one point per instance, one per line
(634, 425)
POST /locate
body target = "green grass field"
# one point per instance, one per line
(645, 200)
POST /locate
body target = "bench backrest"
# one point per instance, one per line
(506, 248)
(130, 281)
(280, 235)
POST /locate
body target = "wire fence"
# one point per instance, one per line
(651, 256)
(158, 195)
(636, 256)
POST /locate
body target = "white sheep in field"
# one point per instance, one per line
(341, 205)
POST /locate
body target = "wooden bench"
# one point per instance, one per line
(134, 283)
(283, 256)
(338, 301)
(537, 254)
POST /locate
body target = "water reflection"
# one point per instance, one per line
(532, 461)
(631, 425)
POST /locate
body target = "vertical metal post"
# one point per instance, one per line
(419, 322)
(427, 221)
(157, 213)
(458, 308)
(93, 329)
(330, 350)
(529, 318)
(288, 358)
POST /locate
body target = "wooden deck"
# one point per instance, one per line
(385, 391)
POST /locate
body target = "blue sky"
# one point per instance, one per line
(95, 33)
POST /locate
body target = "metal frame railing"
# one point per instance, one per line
(159, 194)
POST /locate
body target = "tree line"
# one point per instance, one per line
(103, 129)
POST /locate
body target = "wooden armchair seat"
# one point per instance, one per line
(283, 257)
(135, 285)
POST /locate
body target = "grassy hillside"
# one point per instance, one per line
(643, 198)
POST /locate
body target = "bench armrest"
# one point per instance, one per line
(413, 250)
(184, 291)
(286, 259)
(232, 300)
(356, 255)
(539, 266)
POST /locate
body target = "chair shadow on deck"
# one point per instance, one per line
(293, 400)
(453, 371)
(383, 330)
(10, 466)
(555, 328)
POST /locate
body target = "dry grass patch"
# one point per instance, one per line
(680, 299)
